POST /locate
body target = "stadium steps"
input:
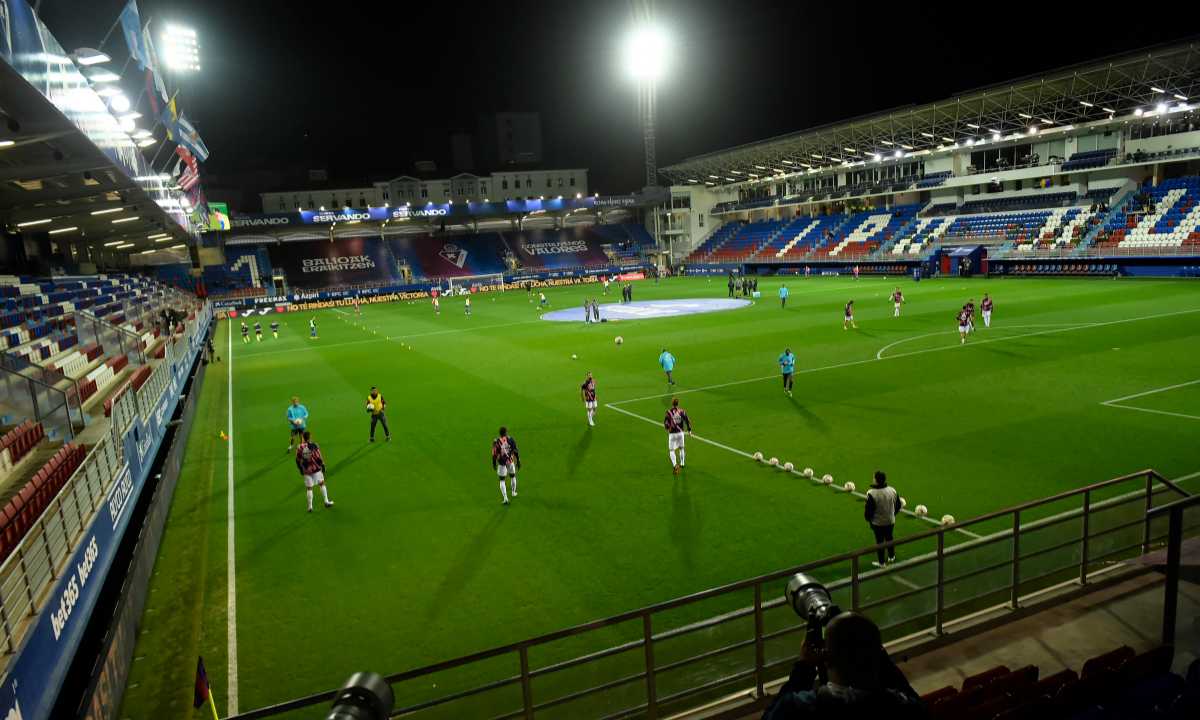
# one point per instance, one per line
(27, 467)
(1114, 210)
(886, 248)
(798, 237)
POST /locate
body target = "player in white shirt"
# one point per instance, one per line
(897, 301)
(587, 393)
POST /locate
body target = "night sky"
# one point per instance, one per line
(363, 90)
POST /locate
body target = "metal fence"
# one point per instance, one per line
(679, 654)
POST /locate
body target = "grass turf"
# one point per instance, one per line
(419, 562)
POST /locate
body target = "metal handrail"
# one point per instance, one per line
(944, 609)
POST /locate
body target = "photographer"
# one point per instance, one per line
(862, 678)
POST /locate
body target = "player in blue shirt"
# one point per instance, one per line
(297, 416)
(787, 365)
(667, 362)
(783, 293)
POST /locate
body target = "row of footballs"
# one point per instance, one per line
(827, 479)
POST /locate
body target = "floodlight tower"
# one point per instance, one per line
(645, 54)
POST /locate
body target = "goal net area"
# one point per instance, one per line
(467, 283)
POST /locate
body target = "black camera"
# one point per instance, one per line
(365, 696)
(810, 599)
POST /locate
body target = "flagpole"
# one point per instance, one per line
(212, 703)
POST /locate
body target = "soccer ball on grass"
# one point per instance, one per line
(827, 479)
(947, 519)
(788, 466)
(619, 340)
(921, 511)
(773, 461)
(758, 457)
(808, 472)
(849, 487)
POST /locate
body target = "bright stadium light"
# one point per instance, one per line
(645, 53)
(181, 49)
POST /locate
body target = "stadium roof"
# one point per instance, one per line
(1101, 90)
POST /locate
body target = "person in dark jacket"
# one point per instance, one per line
(863, 680)
(883, 505)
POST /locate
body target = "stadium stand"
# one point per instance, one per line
(1089, 159)
(714, 242)
(1164, 217)
(933, 180)
(1021, 202)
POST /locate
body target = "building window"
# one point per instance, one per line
(560, 182)
(547, 182)
(424, 193)
(503, 184)
(528, 183)
(572, 181)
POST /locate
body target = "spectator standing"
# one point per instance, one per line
(883, 503)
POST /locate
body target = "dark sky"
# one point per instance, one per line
(363, 89)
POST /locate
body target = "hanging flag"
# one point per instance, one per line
(154, 81)
(131, 27)
(189, 172)
(191, 139)
(170, 120)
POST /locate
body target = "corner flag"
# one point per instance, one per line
(203, 691)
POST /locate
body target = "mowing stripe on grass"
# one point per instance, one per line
(231, 575)
(747, 455)
(310, 348)
(852, 363)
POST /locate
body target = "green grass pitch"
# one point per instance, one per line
(419, 561)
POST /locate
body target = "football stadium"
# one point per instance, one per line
(894, 413)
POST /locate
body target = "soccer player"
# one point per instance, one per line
(970, 315)
(787, 365)
(986, 306)
(245, 333)
(257, 331)
(506, 461)
(667, 362)
(541, 299)
(376, 406)
(587, 311)
(312, 328)
(437, 306)
(856, 272)
(783, 295)
(595, 310)
(357, 311)
(312, 468)
(897, 301)
(606, 285)
(848, 319)
(587, 392)
(467, 306)
(963, 325)
(676, 423)
(807, 271)
(275, 329)
(297, 416)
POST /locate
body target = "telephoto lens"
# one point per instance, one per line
(810, 600)
(365, 696)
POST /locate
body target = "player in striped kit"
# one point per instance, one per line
(676, 422)
(986, 306)
(506, 461)
(848, 319)
(897, 301)
(970, 306)
(587, 391)
(964, 320)
(275, 329)
(312, 469)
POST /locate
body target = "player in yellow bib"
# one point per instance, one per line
(375, 408)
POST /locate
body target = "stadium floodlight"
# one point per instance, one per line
(1027, 116)
(7, 143)
(114, 243)
(34, 222)
(146, 142)
(181, 50)
(1138, 112)
(1156, 89)
(928, 135)
(1110, 111)
(898, 154)
(89, 56)
(1181, 97)
(645, 53)
(119, 103)
(1085, 103)
(973, 126)
(1162, 108)
(108, 91)
(103, 76)
(118, 221)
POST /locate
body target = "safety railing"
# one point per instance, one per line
(675, 655)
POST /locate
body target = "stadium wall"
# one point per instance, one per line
(1163, 142)
(38, 667)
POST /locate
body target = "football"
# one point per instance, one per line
(297, 422)
(788, 466)
(849, 487)
(773, 461)
(808, 472)
(574, 356)
(758, 457)
(619, 340)
(947, 519)
(903, 503)
(827, 479)
(921, 511)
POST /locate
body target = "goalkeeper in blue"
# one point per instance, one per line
(297, 416)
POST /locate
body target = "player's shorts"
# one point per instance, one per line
(317, 478)
(987, 314)
(296, 429)
(506, 470)
(787, 377)
(850, 318)
(963, 328)
(896, 305)
(675, 441)
(589, 404)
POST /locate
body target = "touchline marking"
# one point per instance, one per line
(1148, 410)
(386, 339)
(231, 570)
(748, 456)
(911, 353)
(1150, 392)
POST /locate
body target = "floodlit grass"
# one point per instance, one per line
(420, 562)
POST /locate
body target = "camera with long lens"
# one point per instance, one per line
(811, 601)
(365, 696)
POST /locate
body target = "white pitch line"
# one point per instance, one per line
(386, 339)
(1148, 410)
(889, 346)
(743, 453)
(1150, 392)
(911, 353)
(231, 570)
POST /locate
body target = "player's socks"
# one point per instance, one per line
(682, 457)
(325, 494)
(504, 492)
(514, 485)
(309, 494)
(673, 461)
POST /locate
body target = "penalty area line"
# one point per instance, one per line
(743, 453)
